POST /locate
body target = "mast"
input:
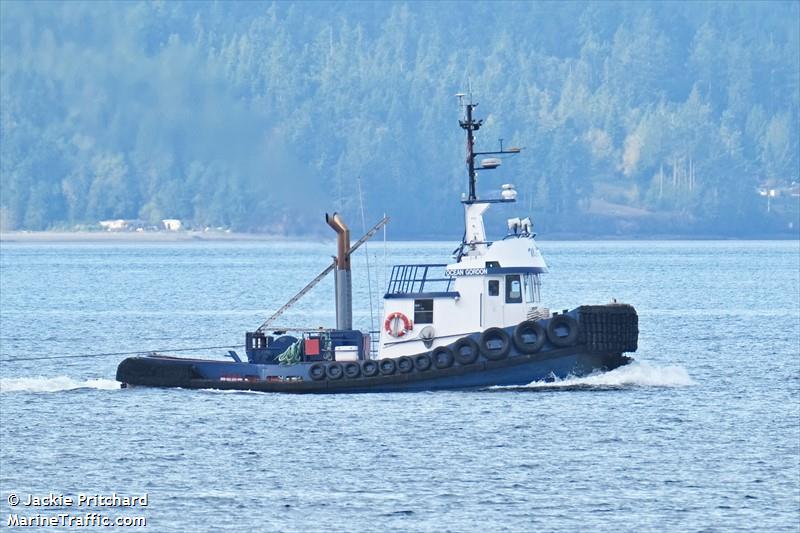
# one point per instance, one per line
(474, 232)
(470, 125)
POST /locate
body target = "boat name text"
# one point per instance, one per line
(465, 272)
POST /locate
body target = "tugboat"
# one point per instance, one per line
(474, 323)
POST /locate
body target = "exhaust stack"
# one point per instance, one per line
(344, 288)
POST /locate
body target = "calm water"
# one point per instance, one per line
(701, 434)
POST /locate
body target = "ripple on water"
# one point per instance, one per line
(701, 433)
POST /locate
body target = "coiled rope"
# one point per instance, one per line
(292, 355)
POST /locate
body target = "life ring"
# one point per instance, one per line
(558, 323)
(495, 353)
(466, 351)
(399, 332)
(522, 334)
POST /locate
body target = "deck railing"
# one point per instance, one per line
(413, 279)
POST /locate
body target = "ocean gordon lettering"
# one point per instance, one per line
(465, 272)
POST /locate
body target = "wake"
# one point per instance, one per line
(636, 374)
(55, 384)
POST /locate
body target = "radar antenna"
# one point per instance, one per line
(471, 125)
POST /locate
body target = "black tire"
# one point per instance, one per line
(494, 335)
(369, 369)
(405, 364)
(317, 371)
(466, 351)
(352, 370)
(442, 357)
(334, 371)
(387, 366)
(422, 362)
(560, 322)
(526, 329)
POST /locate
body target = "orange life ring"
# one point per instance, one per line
(387, 325)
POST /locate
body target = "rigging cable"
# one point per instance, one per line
(109, 354)
(366, 255)
(385, 260)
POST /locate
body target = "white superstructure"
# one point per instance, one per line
(491, 284)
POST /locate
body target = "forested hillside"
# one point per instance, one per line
(637, 118)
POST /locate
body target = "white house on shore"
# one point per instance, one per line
(172, 224)
(121, 224)
(115, 225)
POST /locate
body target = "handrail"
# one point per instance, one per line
(412, 278)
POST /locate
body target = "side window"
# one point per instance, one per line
(494, 287)
(529, 297)
(423, 311)
(513, 289)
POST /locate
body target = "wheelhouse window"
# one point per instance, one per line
(513, 289)
(532, 288)
(423, 311)
(494, 287)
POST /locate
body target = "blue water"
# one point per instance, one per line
(702, 433)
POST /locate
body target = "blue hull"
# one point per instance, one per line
(599, 337)
(242, 376)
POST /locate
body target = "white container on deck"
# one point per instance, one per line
(346, 353)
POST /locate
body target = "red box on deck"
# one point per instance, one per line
(312, 346)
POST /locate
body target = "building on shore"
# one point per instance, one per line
(172, 224)
(121, 224)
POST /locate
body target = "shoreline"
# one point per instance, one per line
(50, 237)
(111, 237)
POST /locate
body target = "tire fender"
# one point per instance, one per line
(529, 327)
(561, 321)
(334, 370)
(466, 351)
(442, 357)
(387, 366)
(495, 334)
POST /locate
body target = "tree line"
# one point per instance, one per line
(636, 118)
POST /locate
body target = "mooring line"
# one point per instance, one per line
(109, 354)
